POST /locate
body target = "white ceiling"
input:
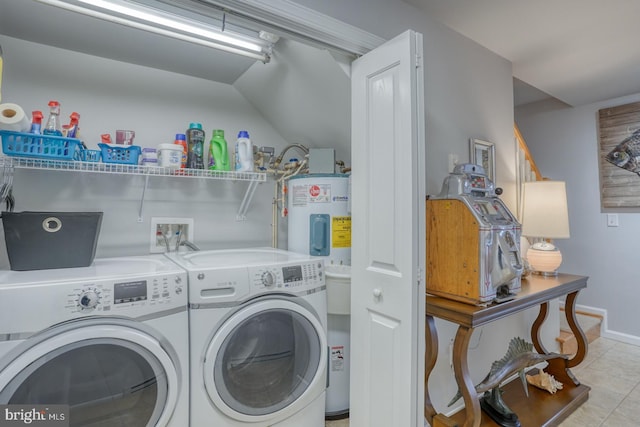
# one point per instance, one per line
(578, 51)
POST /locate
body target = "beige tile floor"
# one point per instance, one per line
(612, 370)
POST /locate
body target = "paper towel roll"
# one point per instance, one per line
(12, 117)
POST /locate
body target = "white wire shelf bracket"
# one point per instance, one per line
(254, 178)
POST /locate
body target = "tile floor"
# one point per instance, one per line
(612, 370)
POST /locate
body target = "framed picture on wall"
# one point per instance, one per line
(619, 158)
(483, 153)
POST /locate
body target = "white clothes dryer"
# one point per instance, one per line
(257, 321)
(107, 342)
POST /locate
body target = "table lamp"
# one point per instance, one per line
(545, 216)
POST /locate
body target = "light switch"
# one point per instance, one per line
(612, 220)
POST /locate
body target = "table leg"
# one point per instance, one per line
(463, 379)
(560, 367)
(581, 338)
(535, 328)
(431, 356)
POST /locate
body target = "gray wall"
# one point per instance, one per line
(468, 89)
(564, 144)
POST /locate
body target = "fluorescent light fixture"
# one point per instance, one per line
(167, 24)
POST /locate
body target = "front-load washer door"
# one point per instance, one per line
(110, 372)
(266, 361)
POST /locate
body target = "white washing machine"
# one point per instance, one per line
(257, 321)
(108, 342)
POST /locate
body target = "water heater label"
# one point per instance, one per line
(337, 358)
(314, 193)
(341, 232)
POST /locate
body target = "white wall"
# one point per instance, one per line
(564, 145)
(112, 95)
(468, 94)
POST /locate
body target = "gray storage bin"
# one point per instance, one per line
(45, 240)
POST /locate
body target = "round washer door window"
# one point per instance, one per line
(264, 358)
(107, 375)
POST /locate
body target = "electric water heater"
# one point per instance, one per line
(319, 212)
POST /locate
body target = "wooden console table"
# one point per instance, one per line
(540, 408)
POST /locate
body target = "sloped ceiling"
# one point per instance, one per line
(305, 94)
(578, 51)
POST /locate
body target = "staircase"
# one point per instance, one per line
(590, 325)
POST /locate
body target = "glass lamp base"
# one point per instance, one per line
(544, 262)
(546, 273)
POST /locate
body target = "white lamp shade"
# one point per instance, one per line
(545, 213)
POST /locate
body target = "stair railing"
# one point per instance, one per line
(526, 169)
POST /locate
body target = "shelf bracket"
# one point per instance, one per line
(246, 201)
(144, 190)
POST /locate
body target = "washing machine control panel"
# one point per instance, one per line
(122, 296)
(293, 276)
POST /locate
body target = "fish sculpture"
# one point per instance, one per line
(626, 155)
(519, 356)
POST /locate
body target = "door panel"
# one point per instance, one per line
(388, 195)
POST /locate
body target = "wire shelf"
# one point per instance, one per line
(125, 169)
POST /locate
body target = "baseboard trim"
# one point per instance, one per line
(605, 332)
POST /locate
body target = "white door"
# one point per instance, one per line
(388, 198)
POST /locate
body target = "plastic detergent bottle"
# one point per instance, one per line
(53, 122)
(36, 121)
(195, 146)
(244, 152)
(218, 154)
(181, 139)
(72, 129)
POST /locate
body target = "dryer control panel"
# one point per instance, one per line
(122, 296)
(292, 277)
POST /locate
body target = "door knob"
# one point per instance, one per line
(377, 293)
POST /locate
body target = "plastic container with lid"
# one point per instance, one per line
(170, 156)
(149, 156)
(181, 140)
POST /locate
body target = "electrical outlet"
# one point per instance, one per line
(166, 231)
